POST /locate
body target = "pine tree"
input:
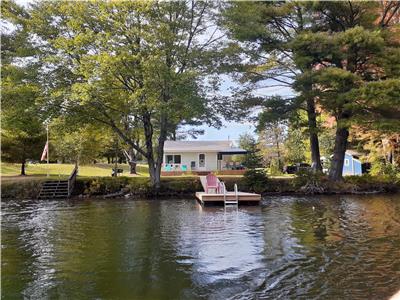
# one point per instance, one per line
(353, 51)
(252, 158)
(267, 30)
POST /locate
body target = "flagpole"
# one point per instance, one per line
(48, 167)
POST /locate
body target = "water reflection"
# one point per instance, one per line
(319, 247)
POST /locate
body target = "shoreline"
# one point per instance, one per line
(139, 187)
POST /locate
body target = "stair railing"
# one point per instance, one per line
(223, 191)
(72, 179)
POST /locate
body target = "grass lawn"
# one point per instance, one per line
(10, 172)
(63, 170)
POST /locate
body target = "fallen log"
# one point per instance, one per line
(113, 195)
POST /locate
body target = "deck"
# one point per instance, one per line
(242, 197)
(201, 173)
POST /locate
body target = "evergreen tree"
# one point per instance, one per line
(295, 148)
(252, 158)
(272, 138)
(266, 30)
(353, 51)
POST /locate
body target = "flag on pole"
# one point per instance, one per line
(45, 151)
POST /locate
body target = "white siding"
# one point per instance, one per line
(188, 157)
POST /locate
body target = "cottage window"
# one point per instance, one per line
(346, 162)
(173, 159)
(177, 159)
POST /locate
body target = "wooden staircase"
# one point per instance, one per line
(54, 189)
(59, 189)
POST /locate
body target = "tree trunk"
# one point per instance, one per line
(131, 157)
(336, 171)
(155, 174)
(278, 151)
(132, 167)
(160, 150)
(314, 143)
(23, 168)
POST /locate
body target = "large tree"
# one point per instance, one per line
(137, 67)
(265, 31)
(22, 133)
(355, 52)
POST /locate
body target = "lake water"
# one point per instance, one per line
(323, 247)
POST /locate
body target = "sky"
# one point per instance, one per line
(232, 130)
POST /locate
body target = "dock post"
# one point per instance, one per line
(224, 187)
(236, 194)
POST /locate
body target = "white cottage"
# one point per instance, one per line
(201, 157)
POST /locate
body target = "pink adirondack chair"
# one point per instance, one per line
(212, 183)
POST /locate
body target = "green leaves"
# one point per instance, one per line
(245, 20)
(339, 64)
(381, 102)
(274, 110)
(252, 159)
(139, 67)
(23, 133)
(312, 48)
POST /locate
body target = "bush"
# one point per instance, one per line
(256, 180)
(137, 185)
(104, 185)
(274, 168)
(369, 183)
(390, 171)
(181, 185)
(21, 190)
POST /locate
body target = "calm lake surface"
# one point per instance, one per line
(325, 247)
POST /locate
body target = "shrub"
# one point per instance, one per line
(105, 185)
(369, 183)
(390, 171)
(274, 168)
(181, 185)
(137, 185)
(256, 180)
(21, 190)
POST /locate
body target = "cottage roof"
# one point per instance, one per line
(354, 153)
(202, 146)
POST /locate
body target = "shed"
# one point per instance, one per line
(352, 164)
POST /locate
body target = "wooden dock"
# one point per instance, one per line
(228, 197)
(204, 198)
